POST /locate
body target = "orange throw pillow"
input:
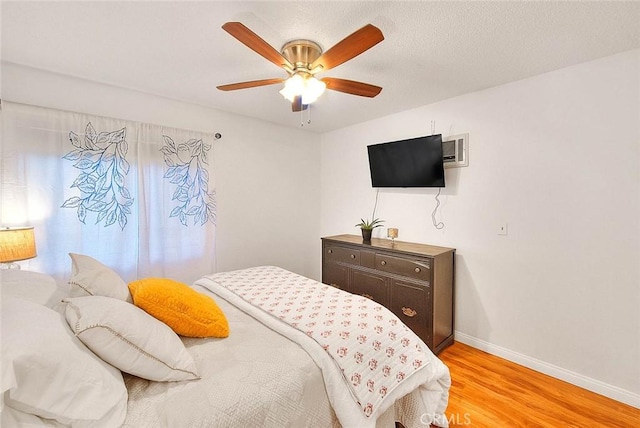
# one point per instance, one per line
(182, 308)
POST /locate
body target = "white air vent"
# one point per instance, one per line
(455, 151)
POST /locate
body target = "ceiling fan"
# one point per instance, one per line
(302, 59)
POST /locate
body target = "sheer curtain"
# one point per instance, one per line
(138, 197)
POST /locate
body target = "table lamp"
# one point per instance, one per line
(16, 243)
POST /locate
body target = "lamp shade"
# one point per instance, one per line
(17, 243)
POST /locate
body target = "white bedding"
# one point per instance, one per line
(254, 378)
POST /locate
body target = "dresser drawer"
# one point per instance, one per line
(416, 269)
(410, 303)
(336, 275)
(370, 285)
(335, 253)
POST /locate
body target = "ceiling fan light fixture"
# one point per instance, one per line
(308, 88)
(293, 87)
(313, 89)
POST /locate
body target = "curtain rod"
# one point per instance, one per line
(216, 135)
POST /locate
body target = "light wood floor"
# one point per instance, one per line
(488, 391)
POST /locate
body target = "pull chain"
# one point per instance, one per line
(302, 115)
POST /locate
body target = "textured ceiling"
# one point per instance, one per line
(432, 50)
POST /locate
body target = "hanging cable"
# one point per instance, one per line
(437, 225)
(375, 205)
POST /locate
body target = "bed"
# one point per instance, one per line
(265, 373)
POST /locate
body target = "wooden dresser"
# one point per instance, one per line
(414, 281)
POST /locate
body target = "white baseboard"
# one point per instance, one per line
(585, 382)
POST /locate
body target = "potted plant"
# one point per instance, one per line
(367, 227)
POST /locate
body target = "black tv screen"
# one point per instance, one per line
(415, 162)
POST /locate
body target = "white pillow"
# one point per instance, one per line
(33, 286)
(10, 417)
(128, 338)
(89, 277)
(48, 372)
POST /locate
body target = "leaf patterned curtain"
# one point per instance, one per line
(138, 197)
(101, 158)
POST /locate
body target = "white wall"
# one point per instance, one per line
(260, 168)
(557, 157)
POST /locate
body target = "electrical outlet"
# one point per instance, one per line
(503, 229)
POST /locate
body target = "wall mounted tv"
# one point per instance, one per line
(415, 162)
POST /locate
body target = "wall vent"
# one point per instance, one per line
(455, 151)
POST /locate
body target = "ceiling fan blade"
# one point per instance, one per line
(251, 84)
(255, 43)
(349, 47)
(297, 105)
(352, 87)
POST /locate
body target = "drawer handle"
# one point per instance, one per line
(330, 251)
(368, 296)
(383, 263)
(417, 270)
(335, 285)
(409, 312)
(424, 265)
(353, 256)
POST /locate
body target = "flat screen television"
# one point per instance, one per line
(415, 162)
